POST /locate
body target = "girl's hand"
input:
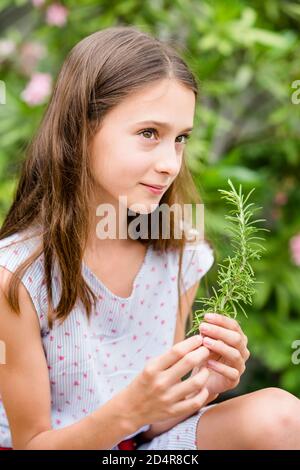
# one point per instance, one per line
(157, 393)
(228, 352)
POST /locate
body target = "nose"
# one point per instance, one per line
(169, 160)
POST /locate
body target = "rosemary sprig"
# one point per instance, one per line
(235, 280)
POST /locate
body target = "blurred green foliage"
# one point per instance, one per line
(246, 57)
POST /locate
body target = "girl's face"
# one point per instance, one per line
(128, 152)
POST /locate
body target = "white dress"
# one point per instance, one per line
(90, 363)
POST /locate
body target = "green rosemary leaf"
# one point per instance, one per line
(235, 278)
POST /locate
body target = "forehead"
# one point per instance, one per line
(166, 100)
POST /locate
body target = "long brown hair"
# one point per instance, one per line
(53, 191)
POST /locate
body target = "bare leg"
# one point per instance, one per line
(265, 419)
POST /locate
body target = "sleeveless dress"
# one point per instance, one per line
(90, 363)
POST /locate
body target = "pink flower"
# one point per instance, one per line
(38, 89)
(37, 3)
(56, 14)
(276, 213)
(295, 249)
(30, 54)
(7, 47)
(281, 198)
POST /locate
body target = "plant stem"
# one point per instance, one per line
(236, 280)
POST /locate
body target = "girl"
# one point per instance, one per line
(93, 327)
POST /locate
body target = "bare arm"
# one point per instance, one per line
(102, 429)
(159, 427)
(25, 389)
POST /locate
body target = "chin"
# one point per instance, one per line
(143, 208)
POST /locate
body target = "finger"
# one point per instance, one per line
(195, 358)
(172, 356)
(231, 324)
(205, 377)
(183, 407)
(233, 338)
(195, 371)
(246, 354)
(223, 320)
(230, 373)
(219, 319)
(191, 386)
(227, 336)
(231, 356)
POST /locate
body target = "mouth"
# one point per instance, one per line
(154, 189)
(157, 186)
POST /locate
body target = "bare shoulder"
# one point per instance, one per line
(24, 380)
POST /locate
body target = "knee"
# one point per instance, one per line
(278, 413)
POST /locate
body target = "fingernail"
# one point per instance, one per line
(208, 341)
(210, 316)
(204, 326)
(211, 362)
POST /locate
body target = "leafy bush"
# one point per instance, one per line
(246, 56)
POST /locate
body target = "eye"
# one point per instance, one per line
(152, 130)
(186, 136)
(149, 131)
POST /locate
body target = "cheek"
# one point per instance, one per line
(118, 167)
(128, 163)
(132, 164)
(119, 172)
(104, 159)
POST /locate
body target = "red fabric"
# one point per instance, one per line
(128, 444)
(5, 448)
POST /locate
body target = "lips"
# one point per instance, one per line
(156, 186)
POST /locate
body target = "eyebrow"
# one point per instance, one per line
(160, 124)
